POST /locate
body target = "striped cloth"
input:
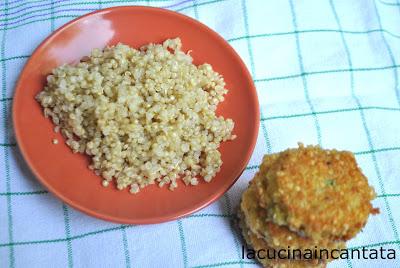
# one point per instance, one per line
(326, 71)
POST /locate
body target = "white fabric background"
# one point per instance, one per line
(326, 72)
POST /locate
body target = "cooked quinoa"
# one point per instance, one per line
(143, 116)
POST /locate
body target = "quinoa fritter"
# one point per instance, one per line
(257, 244)
(276, 236)
(321, 194)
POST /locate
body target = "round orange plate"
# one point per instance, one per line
(66, 174)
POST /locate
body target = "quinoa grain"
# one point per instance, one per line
(142, 115)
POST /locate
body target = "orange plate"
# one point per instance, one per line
(66, 174)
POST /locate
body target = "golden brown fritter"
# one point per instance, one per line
(321, 194)
(280, 237)
(257, 244)
(261, 182)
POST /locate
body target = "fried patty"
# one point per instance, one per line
(321, 194)
(258, 222)
(257, 244)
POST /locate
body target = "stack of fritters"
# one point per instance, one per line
(305, 198)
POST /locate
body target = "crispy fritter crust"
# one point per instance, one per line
(321, 194)
(280, 237)
(257, 243)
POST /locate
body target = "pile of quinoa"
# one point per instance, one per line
(143, 116)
